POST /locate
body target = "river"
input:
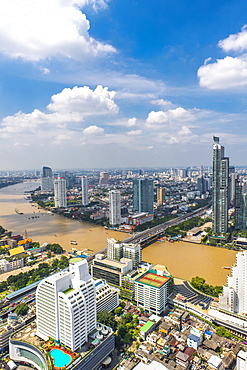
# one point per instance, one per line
(182, 259)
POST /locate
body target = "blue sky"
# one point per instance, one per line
(113, 83)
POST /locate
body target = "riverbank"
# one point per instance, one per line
(182, 259)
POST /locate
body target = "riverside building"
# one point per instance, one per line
(60, 198)
(47, 179)
(114, 207)
(84, 190)
(143, 195)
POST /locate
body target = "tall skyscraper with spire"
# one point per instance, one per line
(220, 188)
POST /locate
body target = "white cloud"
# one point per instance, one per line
(35, 30)
(85, 101)
(61, 139)
(161, 102)
(224, 73)
(69, 106)
(93, 130)
(131, 122)
(170, 117)
(134, 132)
(235, 42)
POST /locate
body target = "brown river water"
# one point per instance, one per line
(183, 260)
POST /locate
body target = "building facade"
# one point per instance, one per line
(220, 188)
(161, 195)
(47, 179)
(60, 198)
(114, 207)
(133, 252)
(107, 297)
(234, 295)
(143, 195)
(84, 191)
(66, 306)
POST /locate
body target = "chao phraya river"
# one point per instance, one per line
(182, 259)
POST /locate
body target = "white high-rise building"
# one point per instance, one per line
(114, 207)
(84, 190)
(133, 252)
(234, 296)
(66, 306)
(242, 360)
(60, 192)
(114, 249)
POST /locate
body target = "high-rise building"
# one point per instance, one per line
(114, 249)
(66, 306)
(104, 179)
(234, 296)
(239, 205)
(143, 195)
(160, 195)
(107, 297)
(220, 188)
(84, 190)
(60, 192)
(114, 207)
(132, 252)
(47, 179)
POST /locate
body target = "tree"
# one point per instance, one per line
(22, 309)
(118, 311)
(106, 318)
(222, 332)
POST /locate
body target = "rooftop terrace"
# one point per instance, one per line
(153, 280)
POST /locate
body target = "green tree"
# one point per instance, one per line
(222, 332)
(118, 311)
(22, 309)
(106, 318)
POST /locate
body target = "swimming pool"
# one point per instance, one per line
(61, 359)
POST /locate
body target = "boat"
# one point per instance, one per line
(18, 212)
(226, 268)
(73, 242)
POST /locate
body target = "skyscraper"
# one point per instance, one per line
(104, 179)
(239, 205)
(60, 192)
(66, 306)
(160, 195)
(234, 296)
(143, 195)
(84, 190)
(46, 179)
(220, 188)
(114, 207)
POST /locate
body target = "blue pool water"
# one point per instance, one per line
(61, 359)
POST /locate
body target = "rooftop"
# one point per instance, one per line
(153, 280)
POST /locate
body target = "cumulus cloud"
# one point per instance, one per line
(134, 132)
(161, 102)
(93, 130)
(172, 116)
(69, 106)
(131, 122)
(235, 42)
(224, 73)
(35, 30)
(229, 72)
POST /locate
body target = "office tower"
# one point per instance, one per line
(47, 179)
(232, 190)
(114, 249)
(66, 306)
(60, 192)
(160, 195)
(183, 173)
(84, 191)
(143, 195)
(141, 172)
(104, 179)
(234, 295)
(132, 252)
(220, 188)
(239, 205)
(114, 207)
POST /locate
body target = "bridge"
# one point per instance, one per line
(151, 235)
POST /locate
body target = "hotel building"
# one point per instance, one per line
(60, 192)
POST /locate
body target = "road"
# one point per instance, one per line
(144, 236)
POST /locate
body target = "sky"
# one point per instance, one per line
(122, 83)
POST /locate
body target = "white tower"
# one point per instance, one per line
(114, 207)
(60, 192)
(234, 296)
(66, 306)
(84, 190)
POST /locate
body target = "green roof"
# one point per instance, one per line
(147, 326)
(66, 291)
(75, 259)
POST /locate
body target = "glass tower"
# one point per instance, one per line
(143, 195)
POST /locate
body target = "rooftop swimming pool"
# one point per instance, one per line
(61, 359)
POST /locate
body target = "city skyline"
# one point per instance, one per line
(121, 84)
